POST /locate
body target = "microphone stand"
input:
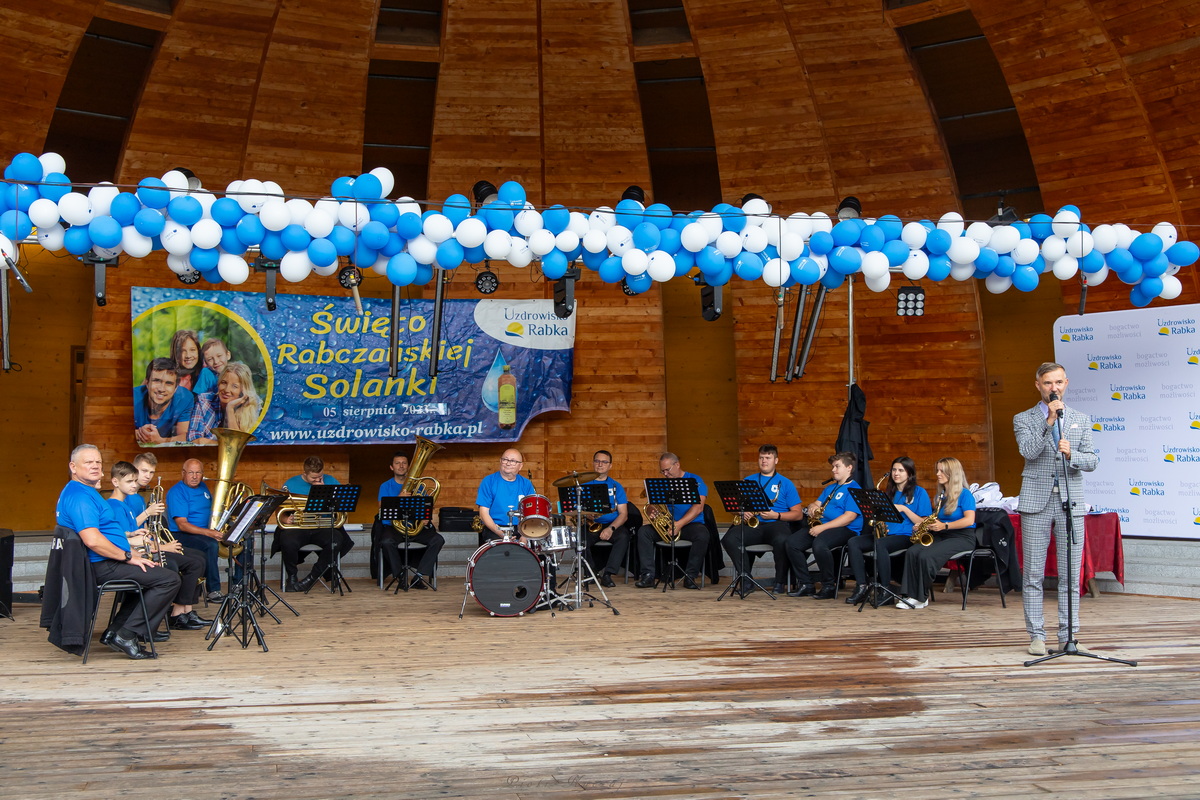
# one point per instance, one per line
(1071, 648)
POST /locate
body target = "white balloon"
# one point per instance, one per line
(822, 263)
(997, 284)
(298, 210)
(134, 243)
(595, 241)
(1065, 223)
(1026, 251)
(386, 180)
(602, 219)
(1054, 248)
(519, 255)
(693, 237)
(620, 240)
(101, 198)
(1125, 235)
(1004, 239)
(176, 239)
(729, 244)
(274, 215)
(232, 191)
(635, 261)
(233, 269)
(50, 238)
(178, 264)
(380, 265)
(879, 283)
(422, 249)
(251, 198)
(471, 232)
(1098, 277)
(177, 182)
(206, 233)
(578, 224)
(106, 252)
(295, 266)
(712, 225)
(406, 205)
(774, 227)
(981, 232)
(8, 249)
(206, 200)
(541, 242)
(324, 272)
(1104, 239)
(353, 216)
(527, 222)
(1166, 231)
(875, 264)
(271, 189)
(437, 228)
(756, 210)
(963, 250)
(328, 206)
(661, 266)
(962, 272)
(568, 240)
(319, 224)
(952, 223)
(43, 213)
(791, 246)
(1065, 268)
(52, 162)
(916, 266)
(75, 208)
(776, 272)
(1172, 287)
(914, 235)
(800, 224)
(821, 222)
(754, 239)
(1080, 244)
(497, 244)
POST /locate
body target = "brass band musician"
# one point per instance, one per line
(687, 522)
(500, 493)
(189, 511)
(773, 526)
(612, 525)
(385, 535)
(953, 531)
(839, 521)
(289, 541)
(912, 502)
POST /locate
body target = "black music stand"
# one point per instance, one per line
(331, 499)
(238, 612)
(876, 507)
(671, 492)
(738, 497)
(410, 511)
(586, 498)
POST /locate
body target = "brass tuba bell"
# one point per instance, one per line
(418, 485)
(228, 494)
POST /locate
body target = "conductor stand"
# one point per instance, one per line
(579, 499)
(1064, 491)
(667, 492)
(333, 499)
(740, 497)
(238, 613)
(409, 512)
(878, 509)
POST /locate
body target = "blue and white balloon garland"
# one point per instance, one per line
(632, 243)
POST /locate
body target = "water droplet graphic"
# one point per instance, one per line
(490, 391)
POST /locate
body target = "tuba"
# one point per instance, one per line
(418, 485)
(921, 534)
(660, 517)
(228, 494)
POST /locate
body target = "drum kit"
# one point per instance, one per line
(517, 574)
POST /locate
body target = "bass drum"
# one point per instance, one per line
(506, 578)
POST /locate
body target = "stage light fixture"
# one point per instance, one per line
(484, 192)
(910, 301)
(710, 300)
(625, 287)
(271, 270)
(564, 293)
(350, 277)
(849, 208)
(189, 277)
(486, 282)
(99, 265)
(1005, 215)
(634, 193)
(193, 181)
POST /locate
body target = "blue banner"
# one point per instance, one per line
(315, 371)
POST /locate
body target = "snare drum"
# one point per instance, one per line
(506, 578)
(562, 537)
(535, 516)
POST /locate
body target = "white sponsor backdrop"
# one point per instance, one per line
(1137, 374)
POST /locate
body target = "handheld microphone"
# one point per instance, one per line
(12, 265)
(1053, 397)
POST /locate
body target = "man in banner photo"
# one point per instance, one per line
(320, 369)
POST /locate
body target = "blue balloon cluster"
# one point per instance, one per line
(628, 243)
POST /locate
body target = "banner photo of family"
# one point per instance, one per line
(315, 371)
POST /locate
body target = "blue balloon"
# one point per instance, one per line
(896, 252)
(476, 255)
(646, 236)
(362, 256)
(456, 208)
(103, 231)
(497, 217)
(1138, 298)
(722, 276)
(211, 275)
(343, 188)
(512, 193)
(611, 270)
(1120, 260)
(681, 221)
(939, 268)
(250, 230)
(20, 196)
(832, 279)
(449, 254)
(1151, 287)
(153, 193)
(685, 262)
(1005, 267)
(55, 186)
(3, 200)
(1131, 276)
(395, 244)
(659, 215)
(845, 260)
(987, 260)
(322, 253)
(846, 232)
(1092, 262)
(748, 266)
(424, 274)
(272, 247)
(891, 225)
(872, 238)
(821, 243)
(24, 168)
(401, 269)
(1183, 254)
(574, 255)
(554, 265)
(374, 235)
(1157, 266)
(125, 207)
(1041, 227)
(295, 238)
(16, 225)
(185, 210)
(709, 260)
(367, 187)
(556, 218)
(409, 225)
(668, 241)
(1023, 229)
(639, 283)
(594, 260)
(1073, 209)
(938, 242)
(1025, 278)
(76, 240)
(732, 217)
(343, 239)
(629, 213)
(226, 212)
(1039, 265)
(202, 258)
(387, 213)
(805, 270)
(230, 242)
(1146, 246)
(927, 224)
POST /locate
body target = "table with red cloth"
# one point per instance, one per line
(1103, 551)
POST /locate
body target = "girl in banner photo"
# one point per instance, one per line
(185, 352)
(235, 404)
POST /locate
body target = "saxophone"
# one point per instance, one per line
(921, 534)
(814, 517)
(660, 517)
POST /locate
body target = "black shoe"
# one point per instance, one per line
(645, 582)
(159, 636)
(779, 588)
(418, 582)
(292, 584)
(306, 583)
(860, 592)
(827, 593)
(129, 647)
(107, 636)
(689, 583)
(606, 580)
(183, 622)
(802, 591)
(194, 617)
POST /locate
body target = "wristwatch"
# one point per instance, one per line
(128, 556)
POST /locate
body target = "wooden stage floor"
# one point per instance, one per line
(379, 696)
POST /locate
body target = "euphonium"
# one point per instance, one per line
(418, 485)
(228, 494)
(660, 517)
(921, 534)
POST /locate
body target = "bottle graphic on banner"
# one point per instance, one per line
(506, 391)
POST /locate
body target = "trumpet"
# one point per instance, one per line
(660, 517)
(921, 534)
(156, 529)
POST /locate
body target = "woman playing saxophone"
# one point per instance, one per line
(912, 502)
(953, 532)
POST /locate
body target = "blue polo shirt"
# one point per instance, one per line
(124, 514)
(779, 490)
(966, 502)
(679, 509)
(919, 505)
(499, 496)
(616, 496)
(179, 409)
(80, 506)
(297, 485)
(390, 488)
(841, 503)
(194, 505)
(136, 503)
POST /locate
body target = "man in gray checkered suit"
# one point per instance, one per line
(1042, 496)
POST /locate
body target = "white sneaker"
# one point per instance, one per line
(909, 603)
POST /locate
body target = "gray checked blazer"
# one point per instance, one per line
(1039, 446)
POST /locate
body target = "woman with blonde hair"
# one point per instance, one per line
(235, 404)
(953, 532)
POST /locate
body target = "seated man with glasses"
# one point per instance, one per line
(499, 496)
(613, 528)
(687, 524)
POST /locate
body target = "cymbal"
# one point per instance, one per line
(575, 479)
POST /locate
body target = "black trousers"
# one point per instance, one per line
(290, 541)
(159, 586)
(774, 533)
(921, 563)
(190, 566)
(616, 554)
(800, 543)
(423, 559)
(883, 549)
(694, 532)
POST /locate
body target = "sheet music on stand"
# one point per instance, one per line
(330, 498)
(875, 505)
(593, 497)
(253, 514)
(739, 496)
(237, 615)
(672, 491)
(406, 509)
